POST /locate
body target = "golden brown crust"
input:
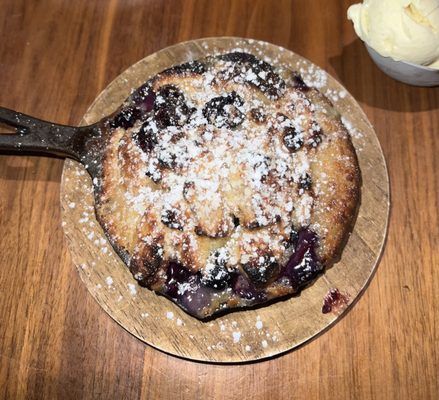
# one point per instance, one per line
(337, 174)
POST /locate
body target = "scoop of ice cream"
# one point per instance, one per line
(405, 30)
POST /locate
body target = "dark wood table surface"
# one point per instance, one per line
(56, 56)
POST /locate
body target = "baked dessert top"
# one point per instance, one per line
(226, 183)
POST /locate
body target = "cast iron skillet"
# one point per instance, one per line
(33, 135)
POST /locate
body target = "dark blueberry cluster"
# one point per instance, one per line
(262, 75)
(141, 103)
(126, 118)
(186, 288)
(262, 270)
(193, 290)
(143, 98)
(145, 137)
(224, 110)
(170, 108)
(217, 277)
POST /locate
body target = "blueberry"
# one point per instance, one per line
(217, 278)
(236, 221)
(303, 266)
(167, 159)
(145, 137)
(144, 98)
(256, 72)
(169, 94)
(316, 137)
(177, 272)
(224, 110)
(292, 240)
(177, 275)
(306, 271)
(262, 271)
(293, 139)
(305, 182)
(170, 108)
(216, 275)
(243, 288)
(298, 82)
(126, 118)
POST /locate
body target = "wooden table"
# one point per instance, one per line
(55, 340)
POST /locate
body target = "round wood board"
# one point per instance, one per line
(239, 336)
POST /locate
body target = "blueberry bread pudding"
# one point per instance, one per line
(227, 182)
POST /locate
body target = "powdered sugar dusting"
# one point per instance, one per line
(236, 337)
(132, 289)
(353, 131)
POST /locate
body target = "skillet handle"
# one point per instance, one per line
(36, 136)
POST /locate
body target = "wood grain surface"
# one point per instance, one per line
(55, 341)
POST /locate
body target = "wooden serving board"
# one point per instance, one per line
(239, 336)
